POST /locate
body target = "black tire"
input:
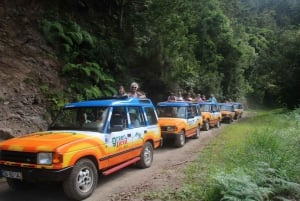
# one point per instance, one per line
(180, 139)
(197, 134)
(206, 126)
(146, 156)
(17, 184)
(82, 181)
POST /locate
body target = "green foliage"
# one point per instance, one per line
(231, 49)
(239, 186)
(67, 33)
(88, 80)
(263, 183)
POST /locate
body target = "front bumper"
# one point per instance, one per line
(166, 136)
(32, 174)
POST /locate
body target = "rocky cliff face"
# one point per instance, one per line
(27, 65)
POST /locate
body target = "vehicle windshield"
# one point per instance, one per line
(172, 111)
(83, 118)
(226, 108)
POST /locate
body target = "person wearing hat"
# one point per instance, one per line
(134, 93)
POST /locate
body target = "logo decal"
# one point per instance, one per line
(119, 140)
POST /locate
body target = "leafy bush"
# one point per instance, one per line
(86, 78)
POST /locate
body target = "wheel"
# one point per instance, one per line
(218, 124)
(197, 135)
(146, 156)
(180, 139)
(17, 184)
(206, 126)
(82, 181)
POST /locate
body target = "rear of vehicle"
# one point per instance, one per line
(86, 138)
(211, 115)
(238, 109)
(227, 112)
(178, 121)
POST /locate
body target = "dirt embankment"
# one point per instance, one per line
(27, 67)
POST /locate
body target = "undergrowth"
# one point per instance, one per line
(256, 159)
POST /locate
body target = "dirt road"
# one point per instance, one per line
(165, 173)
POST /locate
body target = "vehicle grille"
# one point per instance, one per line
(20, 157)
(164, 128)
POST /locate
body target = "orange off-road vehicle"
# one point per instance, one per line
(238, 109)
(211, 115)
(179, 120)
(85, 139)
(227, 112)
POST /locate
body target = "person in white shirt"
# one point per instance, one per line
(134, 93)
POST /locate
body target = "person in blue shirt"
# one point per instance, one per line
(212, 99)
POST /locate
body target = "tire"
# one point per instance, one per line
(206, 126)
(82, 181)
(146, 156)
(197, 135)
(18, 185)
(180, 139)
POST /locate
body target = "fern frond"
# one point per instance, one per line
(76, 37)
(88, 39)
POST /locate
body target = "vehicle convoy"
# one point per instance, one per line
(238, 109)
(227, 112)
(211, 115)
(179, 120)
(86, 139)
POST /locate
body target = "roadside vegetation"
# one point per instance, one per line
(256, 159)
(198, 46)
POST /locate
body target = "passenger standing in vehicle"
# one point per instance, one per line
(179, 98)
(188, 97)
(172, 97)
(212, 99)
(121, 91)
(134, 93)
(198, 98)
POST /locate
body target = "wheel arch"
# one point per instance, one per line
(91, 158)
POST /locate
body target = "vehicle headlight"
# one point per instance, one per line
(44, 158)
(171, 128)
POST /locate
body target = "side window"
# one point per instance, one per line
(196, 112)
(151, 115)
(191, 111)
(136, 117)
(118, 119)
